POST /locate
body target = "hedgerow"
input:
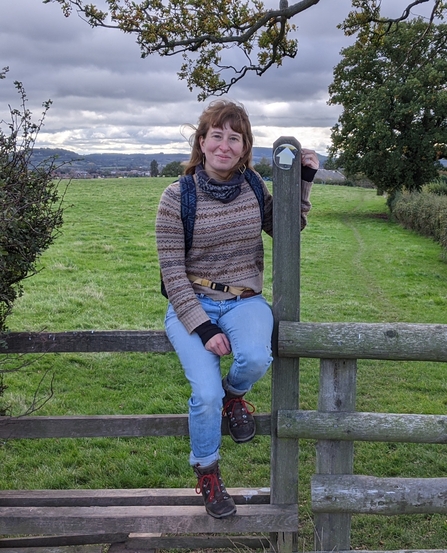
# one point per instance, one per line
(30, 202)
(425, 213)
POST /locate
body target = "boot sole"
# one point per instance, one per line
(243, 440)
(223, 515)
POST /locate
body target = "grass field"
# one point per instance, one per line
(102, 273)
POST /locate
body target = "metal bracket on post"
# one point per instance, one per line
(286, 307)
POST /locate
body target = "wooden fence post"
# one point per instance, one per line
(286, 306)
(337, 394)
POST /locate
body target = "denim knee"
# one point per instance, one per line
(254, 363)
(206, 400)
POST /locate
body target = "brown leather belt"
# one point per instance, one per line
(249, 294)
(237, 291)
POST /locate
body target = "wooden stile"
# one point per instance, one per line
(145, 520)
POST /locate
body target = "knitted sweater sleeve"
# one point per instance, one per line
(171, 254)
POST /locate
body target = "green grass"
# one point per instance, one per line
(102, 273)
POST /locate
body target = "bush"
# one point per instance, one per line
(30, 205)
(438, 187)
(423, 212)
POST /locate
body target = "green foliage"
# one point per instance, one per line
(173, 169)
(30, 210)
(392, 87)
(425, 213)
(264, 168)
(438, 187)
(204, 33)
(154, 168)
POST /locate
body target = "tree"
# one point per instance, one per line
(392, 86)
(264, 168)
(173, 169)
(154, 168)
(30, 203)
(204, 31)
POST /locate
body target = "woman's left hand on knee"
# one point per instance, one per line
(219, 345)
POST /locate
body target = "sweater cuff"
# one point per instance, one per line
(307, 173)
(306, 188)
(207, 330)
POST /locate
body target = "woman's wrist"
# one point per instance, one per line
(207, 330)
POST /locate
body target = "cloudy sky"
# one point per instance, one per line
(107, 99)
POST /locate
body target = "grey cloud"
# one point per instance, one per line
(105, 95)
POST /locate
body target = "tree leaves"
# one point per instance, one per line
(30, 206)
(392, 87)
(218, 40)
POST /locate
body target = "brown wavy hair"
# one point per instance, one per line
(218, 114)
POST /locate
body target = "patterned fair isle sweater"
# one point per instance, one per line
(227, 247)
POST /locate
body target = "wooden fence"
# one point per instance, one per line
(143, 519)
(146, 518)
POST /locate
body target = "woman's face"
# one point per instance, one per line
(223, 148)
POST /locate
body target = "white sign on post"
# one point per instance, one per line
(284, 155)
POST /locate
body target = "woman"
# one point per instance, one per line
(214, 287)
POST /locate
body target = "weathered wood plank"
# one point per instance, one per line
(115, 497)
(382, 551)
(60, 549)
(162, 519)
(372, 495)
(337, 394)
(286, 305)
(85, 341)
(357, 426)
(144, 542)
(27, 544)
(393, 341)
(129, 542)
(93, 426)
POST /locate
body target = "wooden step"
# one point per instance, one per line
(121, 498)
(178, 519)
(152, 542)
(132, 542)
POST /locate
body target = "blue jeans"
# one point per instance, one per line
(248, 324)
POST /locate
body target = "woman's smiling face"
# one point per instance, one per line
(223, 148)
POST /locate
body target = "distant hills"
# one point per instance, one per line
(138, 164)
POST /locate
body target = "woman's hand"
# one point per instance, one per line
(309, 158)
(219, 344)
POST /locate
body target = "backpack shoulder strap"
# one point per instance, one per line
(256, 185)
(188, 208)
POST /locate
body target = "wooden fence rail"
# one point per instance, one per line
(379, 496)
(387, 341)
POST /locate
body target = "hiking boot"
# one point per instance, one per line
(218, 503)
(241, 423)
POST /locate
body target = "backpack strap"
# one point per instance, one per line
(256, 184)
(188, 208)
(188, 204)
